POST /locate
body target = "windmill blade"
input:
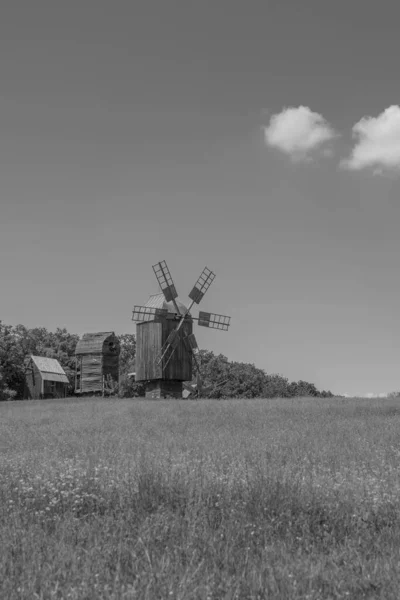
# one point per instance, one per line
(146, 313)
(192, 343)
(192, 347)
(167, 353)
(173, 338)
(195, 390)
(190, 388)
(168, 348)
(202, 284)
(171, 344)
(213, 321)
(165, 281)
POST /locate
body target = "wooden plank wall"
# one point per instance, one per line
(92, 367)
(148, 346)
(91, 373)
(59, 391)
(78, 373)
(180, 366)
(34, 382)
(150, 337)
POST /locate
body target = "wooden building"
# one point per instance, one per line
(151, 335)
(45, 378)
(97, 362)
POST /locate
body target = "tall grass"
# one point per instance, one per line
(260, 499)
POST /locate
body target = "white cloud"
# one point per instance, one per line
(298, 131)
(378, 142)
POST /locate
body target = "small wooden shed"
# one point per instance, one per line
(97, 362)
(45, 378)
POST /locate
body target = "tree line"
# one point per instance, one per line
(221, 377)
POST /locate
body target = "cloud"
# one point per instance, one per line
(298, 131)
(378, 142)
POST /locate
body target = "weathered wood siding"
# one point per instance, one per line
(54, 391)
(97, 357)
(33, 382)
(37, 388)
(148, 346)
(91, 373)
(150, 338)
(180, 366)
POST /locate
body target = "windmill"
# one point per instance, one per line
(166, 346)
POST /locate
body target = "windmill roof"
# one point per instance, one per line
(158, 301)
(50, 368)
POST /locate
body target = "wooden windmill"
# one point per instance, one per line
(166, 347)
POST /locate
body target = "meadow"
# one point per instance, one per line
(122, 499)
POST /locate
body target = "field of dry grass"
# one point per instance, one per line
(104, 499)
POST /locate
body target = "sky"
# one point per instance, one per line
(260, 139)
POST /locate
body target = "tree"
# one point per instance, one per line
(325, 394)
(276, 386)
(244, 380)
(214, 372)
(302, 388)
(230, 379)
(5, 392)
(12, 354)
(127, 352)
(128, 387)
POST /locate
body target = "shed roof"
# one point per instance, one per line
(159, 301)
(50, 369)
(54, 377)
(92, 343)
(49, 365)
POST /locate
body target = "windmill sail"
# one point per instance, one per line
(214, 321)
(201, 286)
(147, 313)
(165, 281)
(192, 343)
(167, 351)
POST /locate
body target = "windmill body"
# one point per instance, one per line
(151, 337)
(166, 348)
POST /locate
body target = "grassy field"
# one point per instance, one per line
(200, 500)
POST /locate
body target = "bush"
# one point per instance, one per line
(5, 392)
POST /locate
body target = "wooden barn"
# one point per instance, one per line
(151, 336)
(97, 362)
(45, 378)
